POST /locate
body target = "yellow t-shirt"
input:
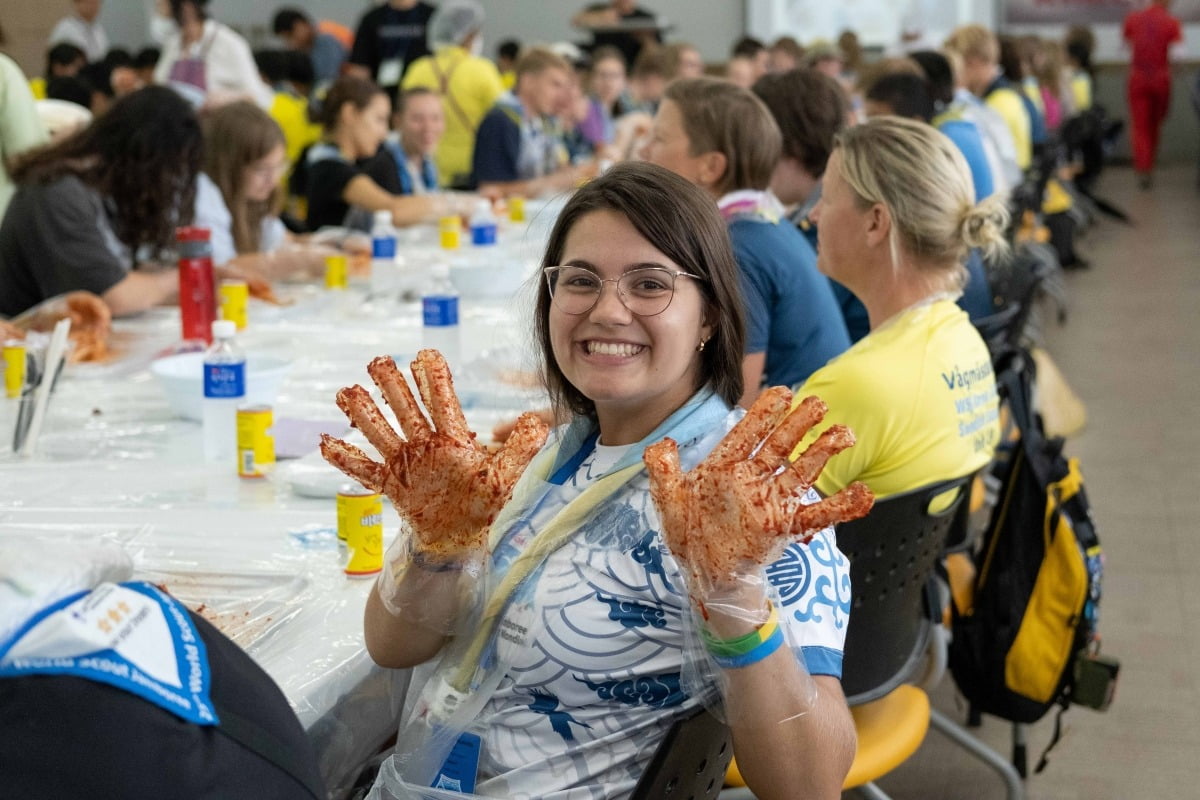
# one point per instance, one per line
(920, 396)
(38, 87)
(1007, 103)
(1081, 90)
(291, 114)
(475, 85)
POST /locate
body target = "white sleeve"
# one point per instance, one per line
(812, 582)
(273, 234)
(65, 32)
(170, 54)
(237, 62)
(212, 213)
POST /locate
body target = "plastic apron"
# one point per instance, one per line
(189, 74)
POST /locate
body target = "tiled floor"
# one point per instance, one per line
(1131, 349)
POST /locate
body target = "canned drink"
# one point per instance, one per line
(360, 528)
(255, 445)
(516, 208)
(337, 271)
(451, 231)
(14, 368)
(235, 296)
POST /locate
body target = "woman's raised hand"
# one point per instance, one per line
(741, 506)
(444, 483)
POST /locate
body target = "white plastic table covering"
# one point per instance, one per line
(113, 462)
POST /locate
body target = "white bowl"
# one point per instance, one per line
(181, 377)
(487, 274)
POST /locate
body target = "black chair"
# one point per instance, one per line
(690, 762)
(1015, 287)
(893, 553)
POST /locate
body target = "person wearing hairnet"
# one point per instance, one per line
(468, 83)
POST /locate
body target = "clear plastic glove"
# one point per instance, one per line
(91, 323)
(445, 485)
(735, 512)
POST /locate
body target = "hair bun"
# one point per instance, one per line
(984, 226)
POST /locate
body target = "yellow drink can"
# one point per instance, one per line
(360, 528)
(336, 271)
(14, 368)
(255, 445)
(450, 229)
(235, 296)
(516, 208)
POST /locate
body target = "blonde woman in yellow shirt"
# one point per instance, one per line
(897, 215)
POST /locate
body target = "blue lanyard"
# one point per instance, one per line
(572, 464)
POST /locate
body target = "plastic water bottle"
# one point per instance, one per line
(483, 223)
(439, 313)
(383, 253)
(224, 391)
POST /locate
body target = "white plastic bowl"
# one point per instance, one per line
(181, 375)
(487, 273)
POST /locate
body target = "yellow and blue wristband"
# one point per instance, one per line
(748, 649)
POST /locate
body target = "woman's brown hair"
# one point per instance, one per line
(680, 220)
(142, 155)
(347, 89)
(236, 136)
(718, 116)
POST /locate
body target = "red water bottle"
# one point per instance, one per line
(197, 295)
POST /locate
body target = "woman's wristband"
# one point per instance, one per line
(760, 652)
(742, 644)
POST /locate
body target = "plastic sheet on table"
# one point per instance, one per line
(502, 378)
(247, 607)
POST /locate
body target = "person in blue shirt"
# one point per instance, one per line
(324, 50)
(519, 148)
(722, 138)
(907, 95)
(810, 110)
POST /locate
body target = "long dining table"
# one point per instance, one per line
(260, 557)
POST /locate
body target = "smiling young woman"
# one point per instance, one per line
(597, 563)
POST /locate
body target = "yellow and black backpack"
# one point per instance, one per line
(1030, 639)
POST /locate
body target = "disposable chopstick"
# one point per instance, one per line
(55, 352)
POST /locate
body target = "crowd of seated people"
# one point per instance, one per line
(799, 217)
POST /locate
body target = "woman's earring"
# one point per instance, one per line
(700, 347)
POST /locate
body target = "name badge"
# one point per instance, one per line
(390, 72)
(459, 770)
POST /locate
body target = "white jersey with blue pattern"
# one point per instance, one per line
(597, 649)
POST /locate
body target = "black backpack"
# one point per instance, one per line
(1030, 641)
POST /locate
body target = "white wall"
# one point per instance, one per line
(878, 23)
(712, 25)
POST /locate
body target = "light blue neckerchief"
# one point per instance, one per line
(700, 414)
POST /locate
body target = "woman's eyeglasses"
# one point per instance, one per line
(645, 291)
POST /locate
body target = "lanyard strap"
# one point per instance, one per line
(572, 464)
(561, 528)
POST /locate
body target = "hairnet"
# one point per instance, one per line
(454, 21)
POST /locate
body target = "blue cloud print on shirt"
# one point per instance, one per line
(658, 691)
(632, 614)
(830, 591)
